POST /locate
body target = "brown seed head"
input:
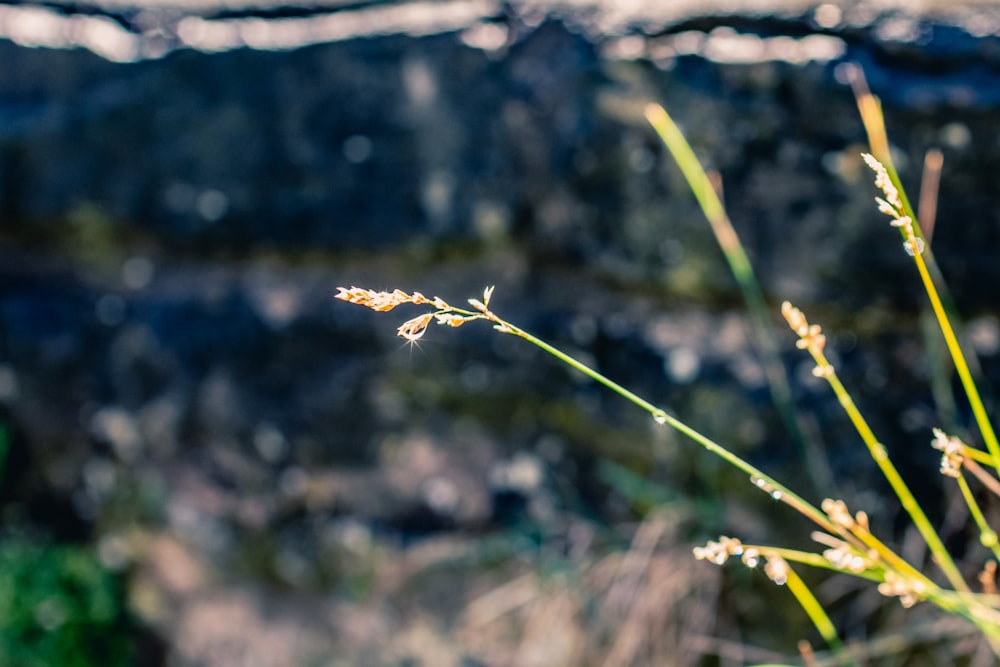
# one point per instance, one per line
(414, 329)
(776, 568)
(380, 301)
(952, 454)
(719, 552)
(811, 336)
(883, 182)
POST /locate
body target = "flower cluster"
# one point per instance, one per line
(413, 329)
(892, 205)
(843, 555)
(951, 449)
(386, 301)
(811, 337)
(719, 552)
(775, 567)
(846, 554)
(908, 590)
(836, 511)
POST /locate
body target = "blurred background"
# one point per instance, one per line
(208, 461)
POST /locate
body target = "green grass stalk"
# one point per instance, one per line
(715, 212)
(661, 416)
(812, 339)
(930, 274)
(961, 365)
(987, 536)
(820, 620)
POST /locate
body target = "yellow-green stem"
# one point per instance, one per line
(814, 610)
(961, 366)
(661, 416)
(899, 487)
(874, 121)
(987, 536)
(715, 212)
(987, 480)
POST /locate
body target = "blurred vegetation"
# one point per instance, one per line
(59, 604)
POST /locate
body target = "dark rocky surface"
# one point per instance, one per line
(178, 380)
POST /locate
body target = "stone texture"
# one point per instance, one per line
(175, 226)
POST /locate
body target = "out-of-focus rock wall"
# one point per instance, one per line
(175, 221)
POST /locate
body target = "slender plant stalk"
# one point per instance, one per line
(930, 275)
(660, 416)
(899, 487)
(987, 480)
(961, 365)
(814, 610)
(939, 359)
(930, 185)
(812, 339)
(854, 548)
(987, 536)
(715, 212)
(881, 561)
(449, 315)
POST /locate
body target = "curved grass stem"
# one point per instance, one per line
(714, 210)
(811, 338)
(820, 620)
(930, 275)
(661, 416)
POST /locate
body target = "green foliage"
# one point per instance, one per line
(59, 606)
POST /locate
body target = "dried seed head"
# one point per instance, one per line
(719, 552)
(414, 329)
(913, 246)
(843, 556)
(885, 207)
(988, 578)
(796, 320)
(952, 455)
(811, 336)
(823, 372)
(883, 182)
(893, 207)
(847, 560)
(750, 557)
(776, 569)
(452, 320)
(909, 591)
(836, 511)
(380, 301)
(385, 301)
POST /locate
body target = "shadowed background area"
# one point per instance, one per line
(236, 469)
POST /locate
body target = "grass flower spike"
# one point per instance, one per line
(893, 206)
(811, 338)
(846, 540)
(951, 449)
(414, 329)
